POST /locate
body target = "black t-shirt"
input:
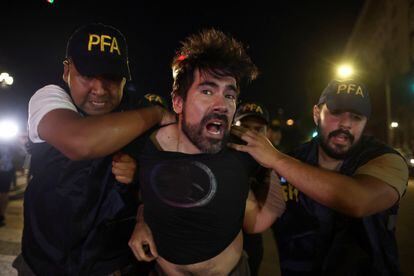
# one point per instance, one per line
(194, 203)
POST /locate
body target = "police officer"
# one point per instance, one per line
(77, 216)
(342, 191)
(274, 132)
(254, 116)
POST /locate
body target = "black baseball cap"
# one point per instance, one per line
(347, 95)
(97, 49)
(252, 109)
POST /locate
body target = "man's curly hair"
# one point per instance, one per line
(214, 52)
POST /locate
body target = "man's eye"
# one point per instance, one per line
(206, 92)
(335, 113)
(86, 78)
(231, 97)
(356, 117)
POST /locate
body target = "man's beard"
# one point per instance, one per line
(195, 133)
(332, 152)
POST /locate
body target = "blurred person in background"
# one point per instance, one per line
(255, 117)
(274, 132)
(7, 174)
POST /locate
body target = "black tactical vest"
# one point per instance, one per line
(78, 219)
(316, 240)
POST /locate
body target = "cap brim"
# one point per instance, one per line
(97, 66)
(355, 106)
(251, 114)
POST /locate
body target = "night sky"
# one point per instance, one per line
(295, 44)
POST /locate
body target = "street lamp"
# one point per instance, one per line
(344, 71)
(290, 122)
(6, 79)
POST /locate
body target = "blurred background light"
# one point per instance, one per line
(8, 129)
(344, 71)
(394, 124)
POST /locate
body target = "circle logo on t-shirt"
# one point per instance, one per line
(184, 184)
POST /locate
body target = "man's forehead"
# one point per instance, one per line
(340, 111)
(253, 120)
(106, 77)
(201, 76)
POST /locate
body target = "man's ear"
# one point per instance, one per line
(177, 103)
(316, 114)
(65, 71)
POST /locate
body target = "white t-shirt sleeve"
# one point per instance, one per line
(43, 101)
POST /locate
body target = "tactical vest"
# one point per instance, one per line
(316, 240)
(78, 219)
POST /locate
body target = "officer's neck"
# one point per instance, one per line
(327, 162)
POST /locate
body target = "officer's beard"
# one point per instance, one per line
(336, 153)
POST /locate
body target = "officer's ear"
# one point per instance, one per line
(316, 114)
(65, 70)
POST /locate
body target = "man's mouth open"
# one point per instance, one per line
(341, 139)
(215, 128)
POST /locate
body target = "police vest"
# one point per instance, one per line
(316, 240)
(78, 220)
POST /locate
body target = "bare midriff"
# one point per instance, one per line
(220, 265)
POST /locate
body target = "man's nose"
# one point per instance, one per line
(345, 120)
(220, 104)
(97, 87)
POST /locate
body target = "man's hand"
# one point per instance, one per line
(258, 146)
(258, 217)
(141, 241)
(124, 168)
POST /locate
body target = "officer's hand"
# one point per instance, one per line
(258, 146)
(124, 168)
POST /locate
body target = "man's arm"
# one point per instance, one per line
(356, 196)
(80, 137)
(141, 241)
(258, 217)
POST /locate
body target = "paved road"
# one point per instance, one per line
(10, 237)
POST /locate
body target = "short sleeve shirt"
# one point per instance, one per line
(46, 99)
(390, 168)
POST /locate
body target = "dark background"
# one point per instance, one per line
(295, 44)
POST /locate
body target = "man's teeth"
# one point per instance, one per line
(214, 127)
(98, 103)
